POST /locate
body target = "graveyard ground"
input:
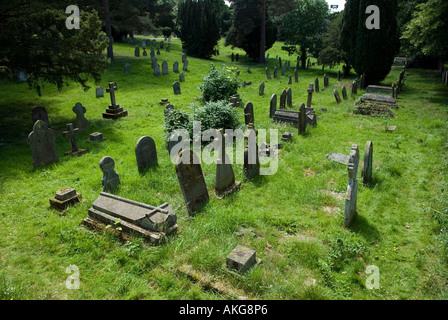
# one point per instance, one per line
(293, 219)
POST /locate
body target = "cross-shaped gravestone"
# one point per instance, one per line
(310, 95)
(71, 132)
(111, 90)
(110, 179)
(114, 111)
(80, 122)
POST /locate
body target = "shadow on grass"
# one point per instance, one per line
(361, 226)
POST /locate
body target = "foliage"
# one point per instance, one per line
(303, 28)
(370, 51)
(175, 120)
(219, 84)
(245, 30)
(34, 39)
(216, 115)
(198, 27)
(332, 53)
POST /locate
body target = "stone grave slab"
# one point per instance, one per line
(242, 259)
(63, 198)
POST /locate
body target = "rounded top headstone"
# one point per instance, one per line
(107, 163)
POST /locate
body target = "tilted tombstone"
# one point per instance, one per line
(137, 51)
(164, 67)
(176, 67)
(181, 77)
(310, 95)
(351, 196)
(336, 96)
(302, 119)
(176, 88)
(99, 92)
(71, 133)
(344, 93)
(185, 66)
(191, 180)
(249, 113)
(225, 178)
(275, 72)
(316, 84)
(80, 122)
(261, 89)
(43, 146)
(157, 70)
(268, 73)
(145, 153)
(39, 113)
(289, 97)
(127, 68)
(368, 163)
(283, 99)
(110, 179)
(273, 105)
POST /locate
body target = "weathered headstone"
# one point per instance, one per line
(273, 105)
(191, 180)
(152, 53)
(96, 136)
(181, 77)
(261, 89)
(114, 111)
(339, 75)
(242, 259)
(344, 93)
(302, 119)
(176, 67)
(43, 146)
(283, 69)
(80, 122)
(184, 57)
(275, 72)
(39, 113)
(310, 95)
(64, 197)
(176, 88)
(137, 51)
(249, 113)
(185, 66)
(145, 54)
(164, 67)
(145, 153)
(296, 75)
(354, 88)
(225, 178)
(71, 133)
(268, 73)
(157, 70)
(368, 163)
(251, 167)
(351, 196)
(99, 92)
(316, 84)
(326, 80)
(110, 179)
(336, 96)
(127, 68)
(283, 99)
(289, 97)
(290, 80)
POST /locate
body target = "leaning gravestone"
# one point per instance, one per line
(302, 119)
(176, 67)
(283, 99)
(181, 77)
(43, 146)
(164, 67)
(176, 88)
(99, 92)
(261, 89)
(39, 113)
(225, 178)
(368, 163)
(110, 179)
(336, 96)
(145, 153)
(191, 180)
(351, 196)
(344, 93)
(249, 113)
(273, 105)
(289, 97)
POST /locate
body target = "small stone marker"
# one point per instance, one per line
(63, 198)
(242, 259)
(289, 97)
(261, 89)
(225, 182)
(127, 68)
(302, 119)
(137, 51)
(273, 105)
(184, 57)
(283, 99)
(352, 189)
(338, 157)
(249, 113)
(296, 75)
(114, 111)
(316, 84)
(336, 96)
(145, 54)
(191, 180)
(110, 179)
(80, 122)
(164, 67)
(99, 92)
(268, 73)
(181, 77)
(156, 70)
(43, 146)
(310, 95)
(176, 88)
(275, 72)
(145, 153)
(368, 163)
(96, 136)
(176, 67)
(185, 66)
(251, 167)
(344, 93)
(39, 113)
(71, 133)
(287, 136)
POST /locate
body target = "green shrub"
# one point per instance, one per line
(219, 84)
(176, 119)
(216, 115)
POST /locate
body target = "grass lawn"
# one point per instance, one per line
(293, 219)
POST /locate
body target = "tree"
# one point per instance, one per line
(198, 27)
(303, 28)
(35, 39)
(370, 51)
(426, 32)
(245, 32)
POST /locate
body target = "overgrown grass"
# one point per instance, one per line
(293, 219)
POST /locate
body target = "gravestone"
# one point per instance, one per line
(157, 70)
(185, 66)
(351, 196)
(242, 259)
(110, 179)
(302, 119)
(354, 88)
(191, 180)
(176, 88)
(339, 75)
(237, 57)
(275, 72)
(225, 182)
(283, 99)
(80, 122)
(261, 89)
(310, 95)
(63, 198)
(154, 43)
(176, 67)
(39, 113)
(164, 67)
(289, 97)
(184, 57)
(268, 73)
(280, 64)
(181, 77)
(368, 163)
(96, 136)
(249, 113)
(251, 166)
(283, 69)
(99, 92)
(161, 44)
(273, 105)
(232, 57)
(21, 76)
(132, 217)
(316, 84)
(153, 62)
(344, 93)
(145, 153)
(296, 76)
(290, 80)
(168, 48)
(147, 42)
(152, 53)
(362, 81)
(127, 68)
(137, 51)
(336, 96)
(338, 157)
(145, 54)
(326, 80)
(114, 111)
(71, 133)
(43, 146)
(158, 52)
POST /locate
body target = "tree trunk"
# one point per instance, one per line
(263, 33)
(303, 57)
(110, 48)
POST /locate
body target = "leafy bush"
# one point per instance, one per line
(219, 84)
(216, 115)
(176, 119)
